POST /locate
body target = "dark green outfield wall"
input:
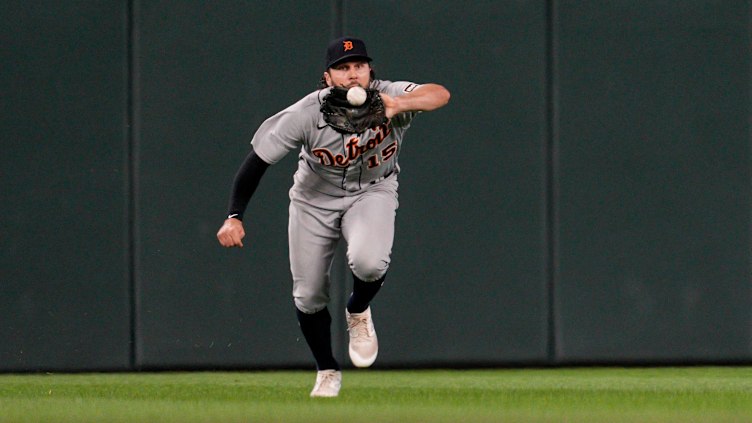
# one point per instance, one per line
(65, 298)
(653, 181)
(584, 198)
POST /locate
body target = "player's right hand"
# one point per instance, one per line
(231, 233)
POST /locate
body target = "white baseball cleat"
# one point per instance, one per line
(364, 346)
(328, 383)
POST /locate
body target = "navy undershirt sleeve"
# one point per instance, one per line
(245, 183)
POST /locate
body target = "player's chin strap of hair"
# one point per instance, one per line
(245, 184)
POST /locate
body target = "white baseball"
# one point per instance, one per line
(356, 96)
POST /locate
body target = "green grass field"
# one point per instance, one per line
(693, 394)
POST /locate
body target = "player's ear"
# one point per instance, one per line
(328, 79)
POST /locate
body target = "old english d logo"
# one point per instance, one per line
(348, 45)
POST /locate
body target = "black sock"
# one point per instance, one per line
(363, 293)
(316, 330)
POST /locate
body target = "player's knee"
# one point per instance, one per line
(309, 305)
(309, 301)
(369, 269)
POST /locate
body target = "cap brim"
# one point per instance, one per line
(348, 59)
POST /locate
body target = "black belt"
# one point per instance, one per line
(379, 179)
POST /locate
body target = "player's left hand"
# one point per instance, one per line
(390, 105)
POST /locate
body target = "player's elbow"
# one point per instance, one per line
(433, 96)
(444, 96)
(441, 96)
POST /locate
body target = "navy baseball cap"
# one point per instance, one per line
(346, 48)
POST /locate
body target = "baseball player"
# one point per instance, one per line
(350, 134)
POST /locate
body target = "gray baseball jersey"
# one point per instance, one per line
(345, 186)
(338, 164)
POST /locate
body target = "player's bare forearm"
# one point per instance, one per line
(231, 233)
(425, 98)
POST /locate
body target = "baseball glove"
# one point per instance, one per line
(349, 119)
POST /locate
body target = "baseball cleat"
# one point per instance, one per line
(364, 346)
(328, 383)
